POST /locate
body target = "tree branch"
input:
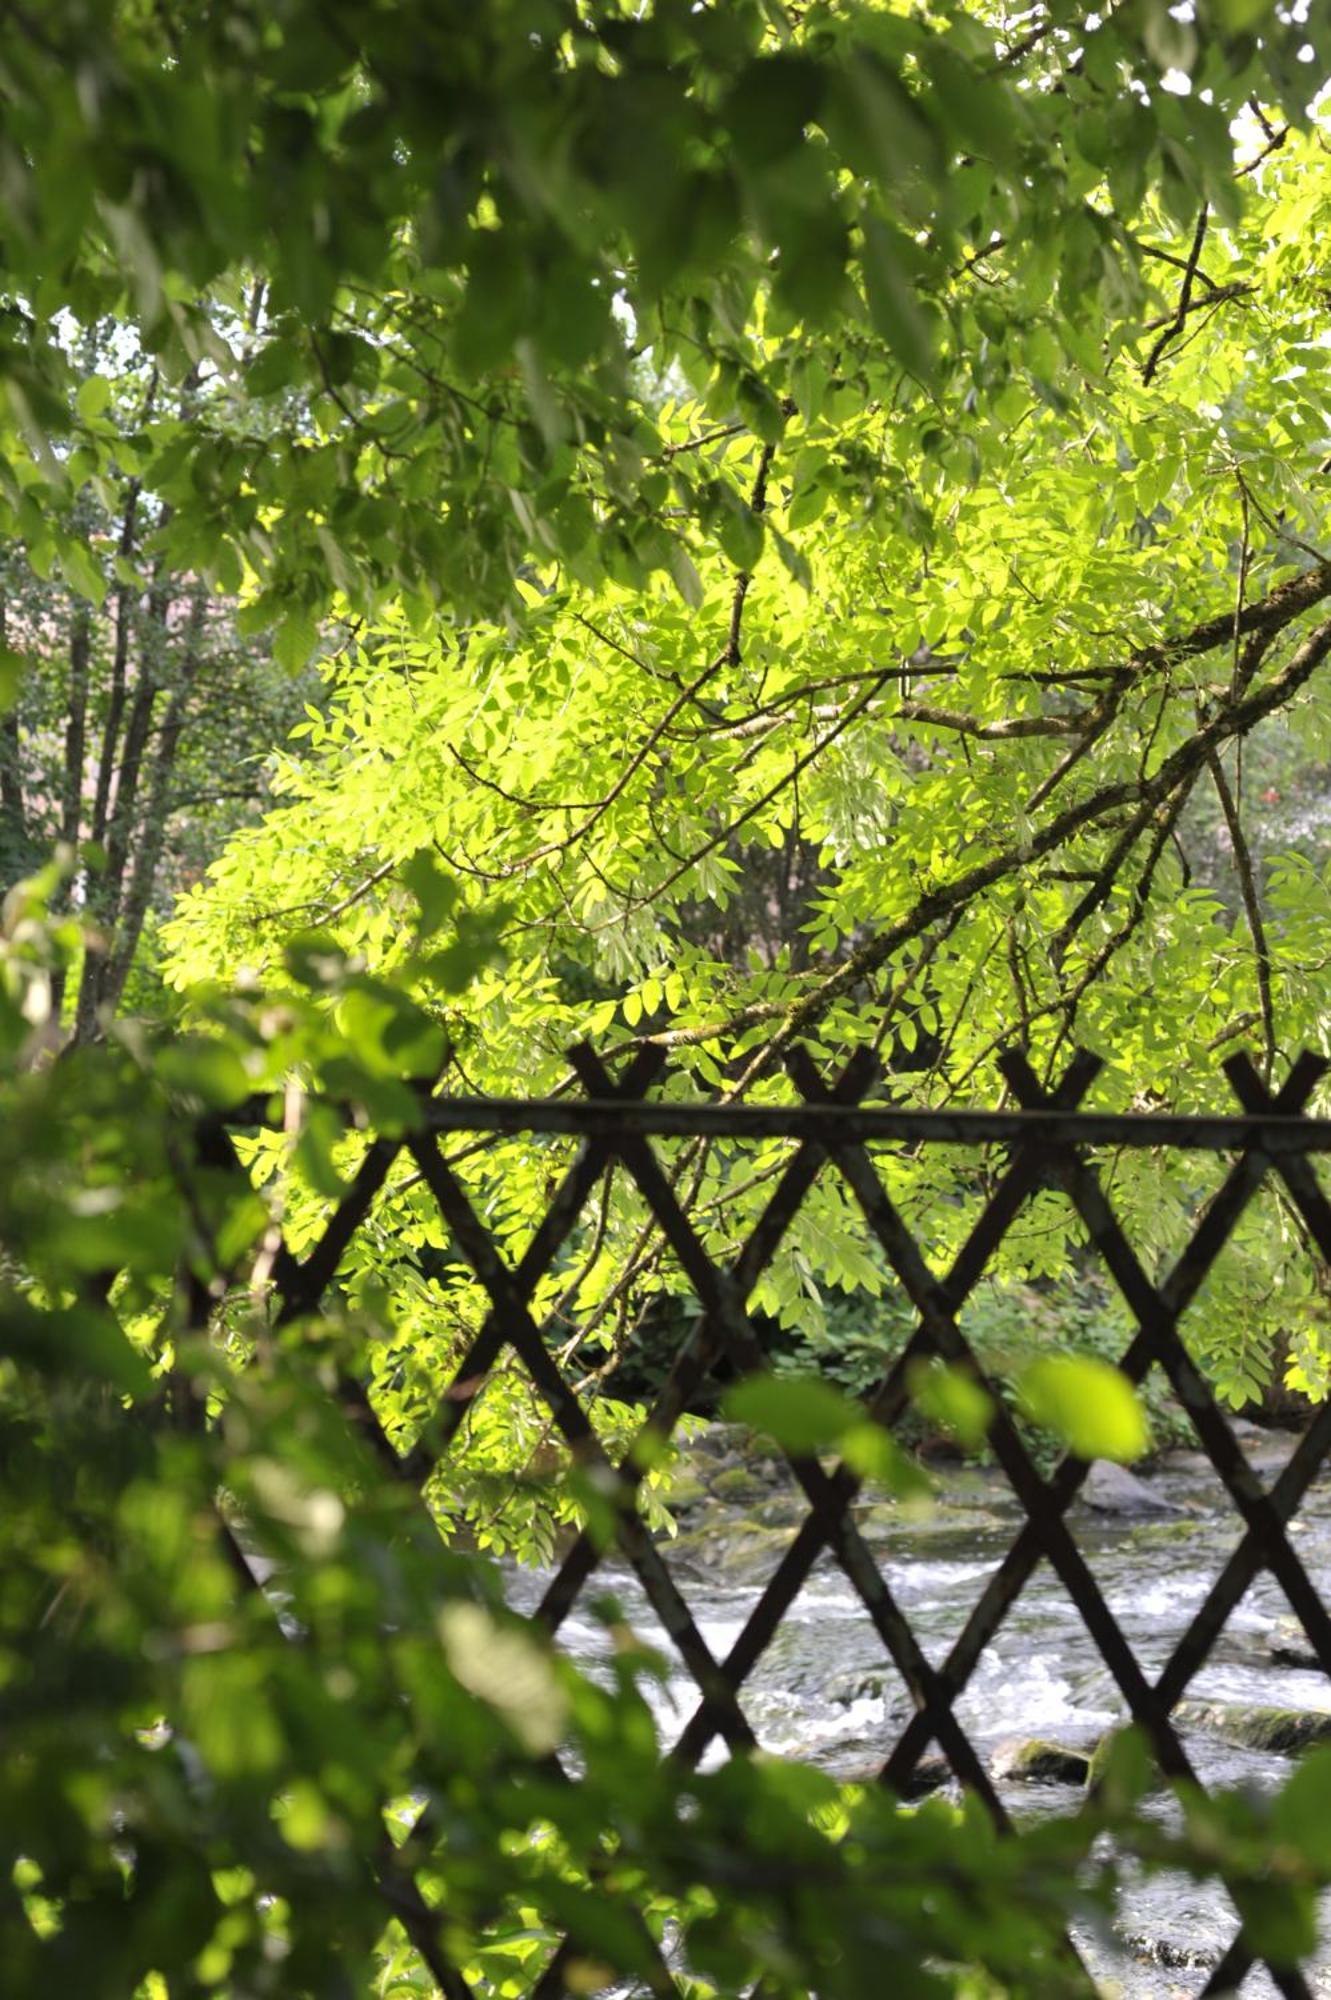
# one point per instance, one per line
(1175, 325)
(1252, 907)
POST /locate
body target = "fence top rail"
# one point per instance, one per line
(835, 1125)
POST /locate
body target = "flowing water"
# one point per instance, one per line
(826, 1692)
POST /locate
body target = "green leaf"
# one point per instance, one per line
(12, 668)
(315, 958)
(94, 393)
(296, 639)
(277, 364)
(685, 573)
(771, 103)
(760, 409)
(800, 1412)
(432, 886)
(82, 572)
(793, 558)
(1300, 1817)
(320, 1132)
(389, 1034)
(874, 1454)
(953, 1398)
(1238, 17)
(1089, 1404)
(893, 307)
(205, 1067)
(1279, 1918)
(71, 1341)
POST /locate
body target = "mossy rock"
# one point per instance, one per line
(1250, 1727)
(731, 1548)
(736, 1482)
(1032, 1761)
(867, 1684)
(683, 1491)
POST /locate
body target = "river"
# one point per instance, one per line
(826, 1692)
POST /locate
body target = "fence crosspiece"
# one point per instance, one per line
(1046, 1143)
(300, 1287)
(704, 1345)
(1062, 1552)
(556, 1225)
(511, 1321)
(719, 1296)
(523, 1335)
(1036, 1499)
(723, 1302)
(1182, 1285)
(301, 1284)
(884, 1406)
(1158, 1320)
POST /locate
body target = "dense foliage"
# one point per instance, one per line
(265, 1735)
(138, 716)
(940, 740)
(809, 522)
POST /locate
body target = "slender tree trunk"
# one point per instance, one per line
(107, 887)
(76, 727)
(152, 835)
(115, 708)
(132, 857)
(76, 750)
(13, 807)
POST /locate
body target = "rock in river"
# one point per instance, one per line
(1112, 1489)
(1030, 1760)
(1256, 1728)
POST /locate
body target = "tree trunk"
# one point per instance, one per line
(152, 834)
(13, 808)
(115, 708)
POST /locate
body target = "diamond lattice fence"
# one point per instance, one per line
(1049, 1142)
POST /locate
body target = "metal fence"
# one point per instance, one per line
(1048, 1141)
